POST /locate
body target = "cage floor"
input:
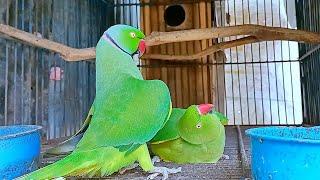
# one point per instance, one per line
(231, 168)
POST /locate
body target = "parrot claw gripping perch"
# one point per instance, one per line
(155, 159)
(226, 157)
(132, 166)
(161, 170)
(60, 178)
(164, 171)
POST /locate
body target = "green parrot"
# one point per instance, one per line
(193, 135)
(127, 112)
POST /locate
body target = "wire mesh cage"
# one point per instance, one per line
(253, 84)
(266, 83)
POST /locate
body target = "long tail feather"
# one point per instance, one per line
(65, 147)
(101, 161)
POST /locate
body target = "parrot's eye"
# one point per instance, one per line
(198, 125)
(133, 35)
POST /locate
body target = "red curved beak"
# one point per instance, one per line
(142, 47)
(204, 108)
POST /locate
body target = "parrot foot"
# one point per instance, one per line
(132, 166)
(164, 171)
(60, 178)
(224, 156)
(155, 159)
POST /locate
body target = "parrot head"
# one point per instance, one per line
(198, 125)
(127, 38)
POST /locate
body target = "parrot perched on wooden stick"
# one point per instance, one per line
(193, 135)
(127, 112)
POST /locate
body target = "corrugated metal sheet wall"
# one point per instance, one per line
(308, 18)
(30, 91)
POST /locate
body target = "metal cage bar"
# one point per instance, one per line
(254, 84)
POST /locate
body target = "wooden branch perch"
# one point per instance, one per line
(66, 52)
(260, 32)
(210, 50)
(255, 33)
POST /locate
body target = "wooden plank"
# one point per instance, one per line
(154, 71)
(212, 83)
(163, 49)
(147, 31)
(56, 88)
(178, 80)
(142, 27)
(204, 44)
(88, 85)
(199, 75)
(192, 76)
(171, 77)
(185, 79)
(220, 81)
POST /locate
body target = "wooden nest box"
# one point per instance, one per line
(190, 82)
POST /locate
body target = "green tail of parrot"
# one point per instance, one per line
(70, 144)
(97, 162)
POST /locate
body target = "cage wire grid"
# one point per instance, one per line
(260, 83)
(264, 104)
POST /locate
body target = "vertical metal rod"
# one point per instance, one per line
(238, 69)
(283, 81)
(30, 49)
(253, 73)
(275, 66)
(42, 62)
(268, 66)
(224, 77)
(260, 67)
(289, 51)
(245, 67)
(22, 66)
(15, 66)
(7, 72)
(232, 89)
(36, 67)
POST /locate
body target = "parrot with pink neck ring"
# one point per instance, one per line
(127, 112)
(192, 135)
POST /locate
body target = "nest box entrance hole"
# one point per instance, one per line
(174, 15)
(178, 17)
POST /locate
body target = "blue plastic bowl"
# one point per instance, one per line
(19, 150)
(285, 153)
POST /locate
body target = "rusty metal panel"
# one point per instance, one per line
(38, 87)
(308, 18)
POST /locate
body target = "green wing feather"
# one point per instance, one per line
(170, 130)
(119, 139)
(147, 106)
(128, 112)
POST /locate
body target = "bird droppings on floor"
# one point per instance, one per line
(225, 168)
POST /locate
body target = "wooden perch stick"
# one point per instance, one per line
(255, 33)
(260, 32)
(210, 50)
(66, 52)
